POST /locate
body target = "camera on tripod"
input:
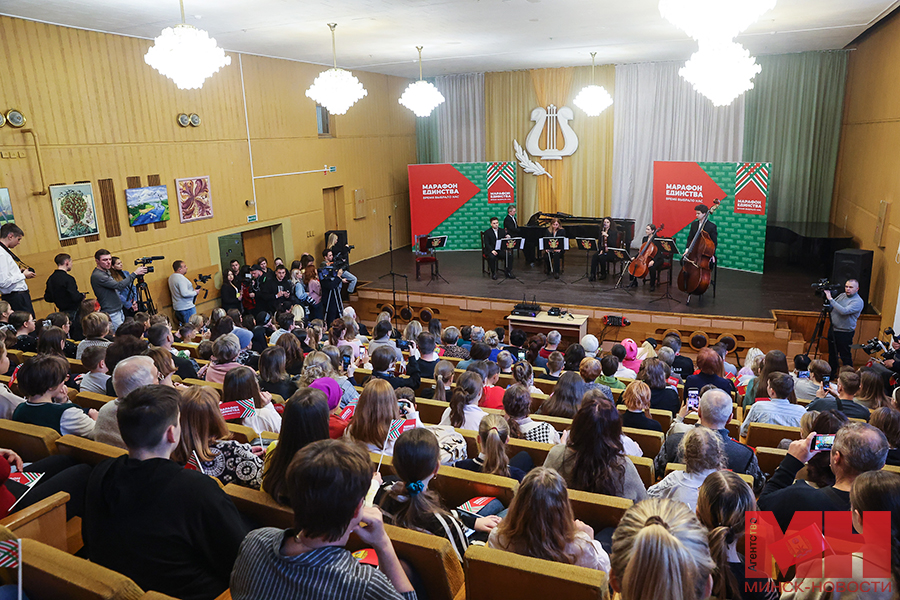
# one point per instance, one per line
(203, 278)
(823, 285)
(146, 262)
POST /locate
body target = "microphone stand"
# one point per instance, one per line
(392, 274)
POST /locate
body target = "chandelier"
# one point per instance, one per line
(186, 55)
(336, 89)
(420, 96)
(713, 19)
(593, 99)
(721, 71)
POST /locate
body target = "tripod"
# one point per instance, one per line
(818, 332)
(334, 306)
(391, 273)
(144, 300)
(587, 266)
(619, 286)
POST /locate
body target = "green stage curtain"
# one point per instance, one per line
(428, 140)
(793, 120)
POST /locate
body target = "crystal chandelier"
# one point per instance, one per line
(420, 96)
(186, 55)
(336, 89)
(721, 71)
(593, 99)
(713, 19)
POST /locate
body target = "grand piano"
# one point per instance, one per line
(584, 227)
(809, 244)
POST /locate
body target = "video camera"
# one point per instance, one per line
(342, 257)
(203, 278)
(146, 261)
(875, 345)
(823, 285)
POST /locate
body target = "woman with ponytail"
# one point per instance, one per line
(722, 505)
(524, 374)
(444, 372)
(407, 502)
(517, 406)
(493, 434)
(660, 550)
(464, 411)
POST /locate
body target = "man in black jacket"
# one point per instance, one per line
(383, 360)
(62, 289)
(160, 335)
(490, 238)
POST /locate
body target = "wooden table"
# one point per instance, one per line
(572, 327)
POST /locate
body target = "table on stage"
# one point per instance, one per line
(570, 326)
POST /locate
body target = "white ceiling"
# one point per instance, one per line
(459, 36)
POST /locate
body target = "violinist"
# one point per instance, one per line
(709, 227)
(554, 257)
(651, 264)
(609, 238)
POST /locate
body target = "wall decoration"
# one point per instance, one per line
(73, 209)
(194, 199)
(6, 212)
(147, 205)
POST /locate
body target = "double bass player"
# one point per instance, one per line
(699, 257)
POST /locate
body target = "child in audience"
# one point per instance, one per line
(407, 502)
(493, 394)
(524, 374)
(325, 364)
(8, 400)
(556, 362)
(241, 384)
(204, 350)
(444, 372)
(42, 380)
(376, 408)
(493, 434)
(464, 412)
(609, 364)
(636, 398)
(273, 377)
(225, 351)
(505, 362)
(517, 406)
(26, 338)
(540, 524)
(703, 453)
(565, 399)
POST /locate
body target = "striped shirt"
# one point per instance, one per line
(329, 573)
(776, 411)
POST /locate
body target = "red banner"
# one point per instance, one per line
(231, 410)
(435, 193)
(677, 188)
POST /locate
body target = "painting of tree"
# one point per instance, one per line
(74, 211)
(194, 199)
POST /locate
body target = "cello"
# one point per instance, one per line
(695, 270)
(641, 263)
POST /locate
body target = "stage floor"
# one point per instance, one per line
(738, 293)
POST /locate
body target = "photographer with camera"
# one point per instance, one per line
(183, 293)
(106, 288)
(845, 310)
(13, 272)
(345, 276)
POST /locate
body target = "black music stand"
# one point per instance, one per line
(507, 245)
(621, 255)
(667, 246)
(552, 243)
(435, 243)
(588, 245)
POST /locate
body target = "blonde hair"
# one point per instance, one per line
(806, 422)
(494, 433)
(660, 550)
(468, 391)
(702, 449)
(443, 376)
(201, 423)
(95, 324)
(376, 407)
(636, 396)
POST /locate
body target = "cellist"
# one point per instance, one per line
(652, 273)
(709, 227)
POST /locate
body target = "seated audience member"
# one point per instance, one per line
(323, 364)
(273, 377)
(552, 345)
(206, 438)
(247, 356)
(241, 384)
(465, 337)
(556, 363)
(407, 502)
(591, 345)
(712, 372)
(130, 374)
(667, 356)
(332, 391)
(285, 322)
(76, 332)
(349, 311)
(493, 434)
(505, 362)
(444, 373)
(122, 348)
(165, 366)
(8, 400)
(780, 409)
(818, 469)
(26, 337)
(631, 349)
(130, 327)
(660, 550)
(42, 381)
(414, 328)
(516, 347)
(61, 320)
(540, 524)
(524, 374)
(573, 356)
(343, 333)
(636, 399)
(204, 350)
(326, 482)
(258, 339)
(493, 393)
(702, 453)
(653, 373)
(51, 341)
(305, 420)
(871, 391)
(464, 412)
(858, 447)
(517, 406)
(842, 398)
(682, 366)
(94, 360)
(383, 361)
(565, 399)
(609, 364)
(161, 336)
(618, 350)
(293, 354)
(477, 351)
(887, 420)
(773, 362)
(376, 408)
(493, 341)
(805, 388)
(593, 459)
(730, 369)
(170, 529)
(225, 350)
(428, 358)
(723, 501)
(95, 326)
(590, 370)
(381, 337)
(715, 412)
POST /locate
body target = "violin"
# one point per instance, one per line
(641, 263)
(695, 273)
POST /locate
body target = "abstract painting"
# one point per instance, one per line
(194, 199)
(74, 211)
(6, 212)
(147, 205)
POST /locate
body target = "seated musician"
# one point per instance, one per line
(554, 257)
(652, 272)
(490, 238)
(709, 227)
(609, 238)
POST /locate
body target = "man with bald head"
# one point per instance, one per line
(715, 412)
(130, 374)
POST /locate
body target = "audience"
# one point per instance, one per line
(712, 372)
(95, 326)
(842, 397)
(94, 360)
(372, 418)
(682, 366)
(780, 409)
(805, 387)
(887, 420)
(42, 381)
(464, 412)
(662, 397)
(241, 384)
(609, 365)
(493, 434)
(774, 362)
(273, 377)
(517, 407)
(524, 374)
(383, 360)
(565, 399)
(225, 351)
(871, 390)
(636, 398)
(702, 452)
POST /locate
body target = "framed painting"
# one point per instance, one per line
(194, 199)
(74, 211)
(6, 212)
(147, 205)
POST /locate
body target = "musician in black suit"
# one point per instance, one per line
(652, 270)
(709, 227)
(490, 238)
(510, 223)
(609, 238)
(554, 257)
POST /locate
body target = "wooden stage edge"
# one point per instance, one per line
(785, 330)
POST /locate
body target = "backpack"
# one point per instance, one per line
(451, 443)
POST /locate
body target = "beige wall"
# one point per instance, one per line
(869, 161)
(102, 112)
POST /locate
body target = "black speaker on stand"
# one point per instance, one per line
(854, 264)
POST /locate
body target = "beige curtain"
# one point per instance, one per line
(592, 164)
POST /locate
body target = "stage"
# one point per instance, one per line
(738, 294)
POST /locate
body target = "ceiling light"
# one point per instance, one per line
(593, 99)
(186, 55)
(721, 71)
(336, 89)
(420, 96)
(713, 19)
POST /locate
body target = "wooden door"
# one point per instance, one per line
(258, 243)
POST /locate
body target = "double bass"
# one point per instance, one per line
(695, 270)
(641, 263)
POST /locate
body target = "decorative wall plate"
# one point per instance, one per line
(2, 120)
(15, 118)
(195, 120)
(184, 120)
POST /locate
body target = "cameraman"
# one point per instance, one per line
(106, 289)
(183, 293)
(845, 310)
(346, 276)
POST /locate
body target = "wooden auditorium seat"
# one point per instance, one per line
(44, 521)
(649, 441)
(246, 435)
(87, 451)
(212, 384)
(259, 506)
(663, 417)
(769, 459)
(92, 400)
(31, 442)
(768, 436)
(670, 467)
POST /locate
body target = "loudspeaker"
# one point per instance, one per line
(342, 237)
(854, 264)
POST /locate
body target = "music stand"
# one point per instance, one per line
(435, 243)
(552, 243)
(507, 245)
(588, 245)
(621, 255)
(667, 246)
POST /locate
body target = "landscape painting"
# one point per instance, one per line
(74, 211)
(194, 199)
(147, 205)
(6, 212)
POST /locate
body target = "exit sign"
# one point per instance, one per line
(332, 169)
(251, 218)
